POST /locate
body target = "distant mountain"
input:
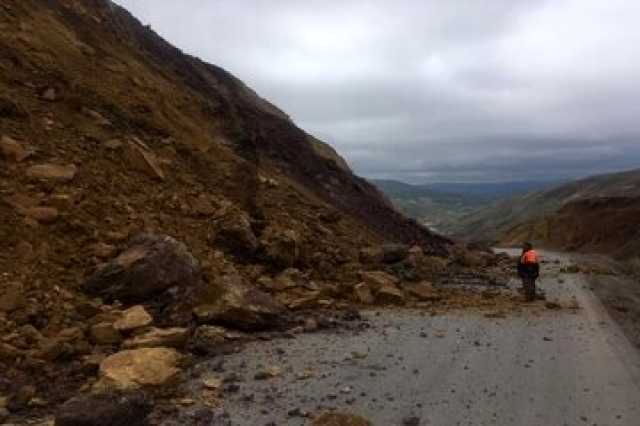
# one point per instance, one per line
(441, 206)
(591, 213)
(491, 190)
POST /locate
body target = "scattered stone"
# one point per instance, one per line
(411, 421)
(44, 215)
(362, 294)
(12, 150)
(207, 339)
(423, 291)
(12, 297)
(175, 337)
(139, 368)
(390, 295)
(212, 382)
(339, 419)
(105, 409)
(52, 172)
(102, 250)
(49, 94)
(268, 373)
(377, 279)
(113, 144)
(19, 401)
(133, 318)
(552, 305)
(105, 333)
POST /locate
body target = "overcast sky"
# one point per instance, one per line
(447, 90)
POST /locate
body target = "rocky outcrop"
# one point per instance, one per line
(105, 409)
(139, 368)
(241, 306)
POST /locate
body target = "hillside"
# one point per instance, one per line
(542, 215)
(444, 206)
(132, 174)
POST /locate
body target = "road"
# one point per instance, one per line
(536, 367)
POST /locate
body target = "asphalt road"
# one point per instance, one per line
(536, 367)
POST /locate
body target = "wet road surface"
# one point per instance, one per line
(536, 367)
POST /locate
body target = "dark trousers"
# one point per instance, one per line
(529, 284)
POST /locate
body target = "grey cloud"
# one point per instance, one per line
(441, 90)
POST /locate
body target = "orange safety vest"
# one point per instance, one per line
(529, 257)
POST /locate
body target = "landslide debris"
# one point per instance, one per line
(153, 206)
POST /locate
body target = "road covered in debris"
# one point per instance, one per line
(558, 362)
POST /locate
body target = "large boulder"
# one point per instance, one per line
(150, 266)
(139, 368)
(232, 231)
(105, 409)
(240, 306)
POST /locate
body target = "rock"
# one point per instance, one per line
(133, 318)
(105, 409)
(139, 368)
(393, 253)
(207, 339)
(377, 279)
(113, 144)
(362, 294)
(53, 348)
(12, 298)
(105, 333)
(411, 421)
(390, 295)
(20, 400)
(423, 291)
(49, 94)
(13, 151)
(175, 337)
(268, 373)
(52, 172)
(43, 214)
(9, 352)
(141, 158)
(10, 108)
(99, 118)
(102, 250)
(371, 255)
(4, 414)
(340, 419)
(281, 248)
(232, 232)
(148, 267)
(241, 306)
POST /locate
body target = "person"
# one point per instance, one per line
(529, 270)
